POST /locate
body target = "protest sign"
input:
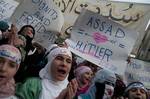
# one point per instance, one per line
(43, 15)
(7, 8)
(138, 70)
(129, 14)
(101, 41)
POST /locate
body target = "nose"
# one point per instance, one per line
(89, 76)
(65, 63)
(138, 91)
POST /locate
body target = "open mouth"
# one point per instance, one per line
(62, 71)
(137, 98)
(2, 77)
(87, 79)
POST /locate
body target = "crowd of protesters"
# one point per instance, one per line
(30, 71)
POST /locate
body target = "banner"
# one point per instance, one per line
(43, 15)
(7, 8)
(101, 41)
(130, 15)
(138, 70)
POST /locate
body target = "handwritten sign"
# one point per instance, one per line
(7, 8)
(101, 41)
(43, 15)
(46, 39)
(130, 15)
(138, 70)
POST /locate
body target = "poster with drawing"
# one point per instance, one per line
(101, 41)
(7, 8)
(43, 15)
(138, 70)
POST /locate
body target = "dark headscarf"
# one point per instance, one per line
(28, 39)
(3, 26)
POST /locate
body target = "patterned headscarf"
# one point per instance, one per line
(12, 53)
(81, 70)
(135, 85)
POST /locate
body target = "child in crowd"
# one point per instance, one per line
(10, 59)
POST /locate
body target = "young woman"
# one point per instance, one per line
(10, 59)
(102, 86)
(83, 75)
(53, 77)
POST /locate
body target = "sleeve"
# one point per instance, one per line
(30, 89)
(22, 47)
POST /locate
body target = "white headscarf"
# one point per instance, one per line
(50, 88)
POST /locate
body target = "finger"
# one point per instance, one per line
(74, 84)
(71, 92)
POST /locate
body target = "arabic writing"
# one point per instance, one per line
(73, 5)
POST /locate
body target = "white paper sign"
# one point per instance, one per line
(138, 70)
(43, 15)
(7, 8)
(101, 41)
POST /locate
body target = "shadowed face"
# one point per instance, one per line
(137, 93)
(28, 31)
(61, 66)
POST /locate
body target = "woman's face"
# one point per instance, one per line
(8, 69)
(86, 77)
(61, 66)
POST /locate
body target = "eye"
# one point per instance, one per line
(59, 58)
(133, 89)
(109, 83)
(2, 60)
(142, 91)
(12, 64)
(87, 73)
(68, 60)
